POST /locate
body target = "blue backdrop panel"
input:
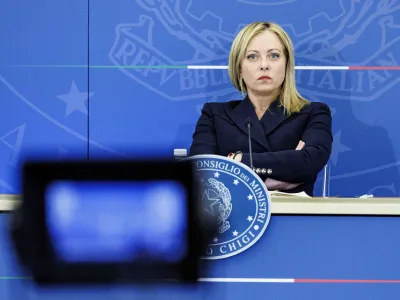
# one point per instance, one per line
(154, 108)
(42, 108)
(157, 108)
(293, 247)
(152, 111)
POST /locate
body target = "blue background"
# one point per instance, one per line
(300, 247)
(51, 101)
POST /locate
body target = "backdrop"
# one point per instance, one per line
(51, 100)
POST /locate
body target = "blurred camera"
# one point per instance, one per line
(83, 222)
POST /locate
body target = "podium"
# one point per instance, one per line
(318, 248)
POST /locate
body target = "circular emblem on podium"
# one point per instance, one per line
(233, 195)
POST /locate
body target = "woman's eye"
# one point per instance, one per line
(251, 56)
(274, 55)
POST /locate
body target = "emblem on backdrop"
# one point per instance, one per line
(232, 194)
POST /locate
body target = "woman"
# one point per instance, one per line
(291, 137)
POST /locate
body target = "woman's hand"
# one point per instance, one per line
(300, 145)
(235, 156)
(273, 184)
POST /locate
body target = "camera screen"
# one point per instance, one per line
(92, 222)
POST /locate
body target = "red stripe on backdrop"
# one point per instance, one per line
(374, 67)
(345, 281)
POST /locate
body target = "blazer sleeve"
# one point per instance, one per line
(298, 166)
(204, 139)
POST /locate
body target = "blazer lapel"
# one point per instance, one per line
(273, 117)
(239, 115)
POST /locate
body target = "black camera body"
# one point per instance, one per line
(96, 222)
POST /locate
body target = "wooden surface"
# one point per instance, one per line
(336, 206)
(298, 205)
(8, 202)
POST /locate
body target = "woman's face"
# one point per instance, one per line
(264, 65)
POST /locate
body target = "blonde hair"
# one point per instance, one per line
(290, 98)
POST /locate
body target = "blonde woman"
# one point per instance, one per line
(291, 137)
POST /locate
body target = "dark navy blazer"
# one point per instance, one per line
(221, 129)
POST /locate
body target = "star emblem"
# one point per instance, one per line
(216, 174)
(236, 182)
(13, 140)
(75, 100)
(250, 197)
(338, 147)
(210, 200)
